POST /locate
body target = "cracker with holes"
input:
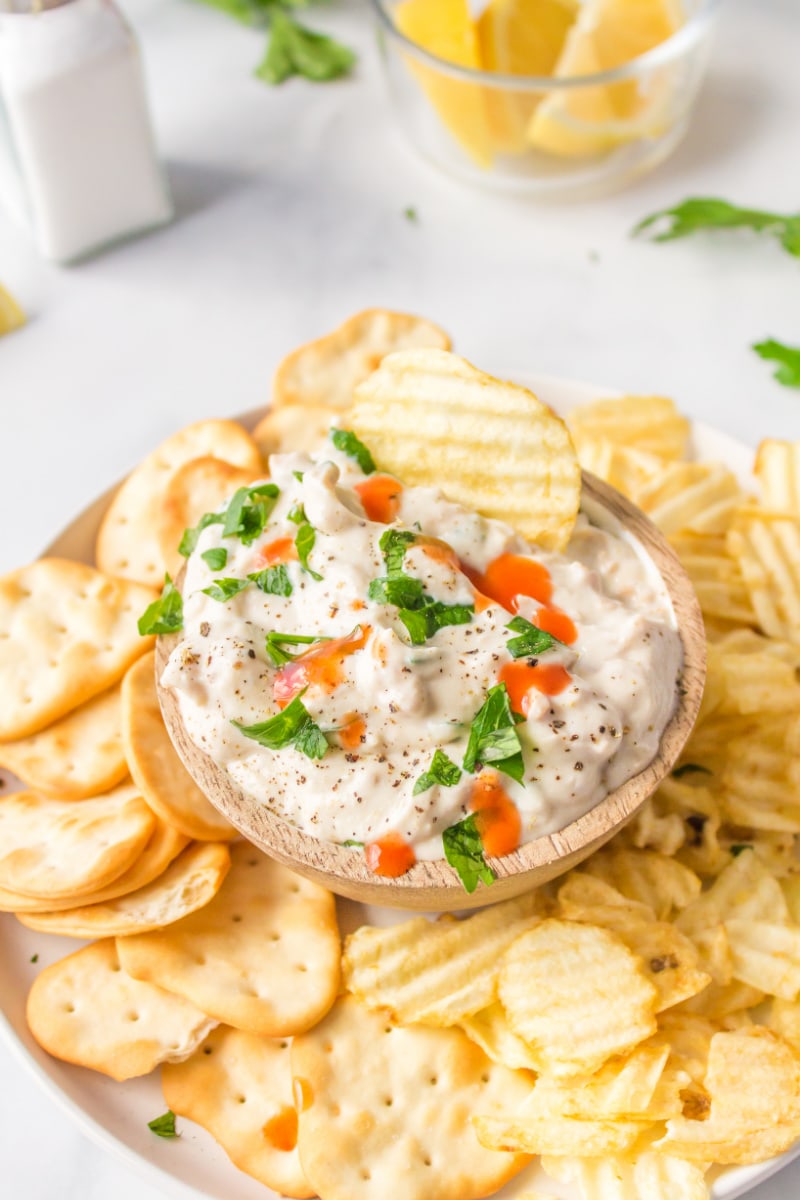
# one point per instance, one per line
(128, 541)
(262, 956)
(67, 633)
(188, 883)
(164, 845)
(239, 1088)
(86, 1010)
(201, 485)
(58, 848)
(326, 372)
(77, 756)
(396, 1102)
(154, 763)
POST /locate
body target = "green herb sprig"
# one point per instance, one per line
(532, 640)
(463, 849)
(291, 727)
(293, 49)
(164, 1126)
(493, 737)
(787, 358)
(164, 615)
(702, 213)
(346, 441)
(442, 771)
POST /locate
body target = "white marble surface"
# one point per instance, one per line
(291, 216)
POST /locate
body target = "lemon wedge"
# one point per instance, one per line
(520, 37)
(445, 28)
(607, 34)
(11, 315)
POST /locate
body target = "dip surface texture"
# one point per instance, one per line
(393, 682)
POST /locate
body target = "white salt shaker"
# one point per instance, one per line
(78, 136)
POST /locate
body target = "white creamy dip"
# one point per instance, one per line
(406, 701)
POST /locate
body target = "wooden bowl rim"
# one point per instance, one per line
(434, 884)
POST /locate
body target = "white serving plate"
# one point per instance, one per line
(115, 1115)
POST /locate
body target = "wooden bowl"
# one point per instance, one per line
(435, 886)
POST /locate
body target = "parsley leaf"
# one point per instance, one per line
(533, 641)
(688, 768)
(274, 580)
(224, 589)
(190, 536)
(275, 642)
(393, 544)
(442, 770)
(740, 848)
(353, 842)
(291, 727)
(703, 212)
(295, 50)
(216, 558)
(164, 1126)
(423, 623)
(246, 520)
(493, 736)
(346, 441)
(164, 615)
(463, 849)
(788, 358)
(304, 541)
(411, 215)
(297, 515)
(402, 590)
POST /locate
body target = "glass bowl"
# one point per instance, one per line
(555, 138)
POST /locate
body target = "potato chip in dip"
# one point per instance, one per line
(381, 666)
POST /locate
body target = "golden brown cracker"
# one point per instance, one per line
(239, 1087)
(327, 371)
(66, 848)
(189, 882)
(262, 956)
(84, 1009)
(128, 541)
(67, 633)
(154, 763)
(79, 755)
(385, 1109)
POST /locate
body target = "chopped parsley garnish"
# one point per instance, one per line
(299, 475)
(420, 613)
(532, 641)
(274, 580)
(249, 510)
(216, 558)
(224, 589)
(190, 536)
(463, 849)
(164, 615)
(740, 848)
(164, 1126)
(353, 842)
(393, 544)
(296, 50)
(276, 642)
(688, 768)
(346, 441)
(411, 214)
(304, 541)
(291, 727)
(297, 515)
(787, 358)
(402, 590)
(34, 958)
(702, 213)
(423, 622)
(442, 770)
(493, 736)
